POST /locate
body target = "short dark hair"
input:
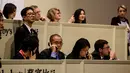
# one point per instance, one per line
(30, 43)
(76, 15)
(99, 44)
(8, 9)
(24, 11)
(80, 44)
(53, 35)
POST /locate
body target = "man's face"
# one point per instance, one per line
(105, 50)
(29, 16)
(1, 23)
(37, 14)
(57, 41)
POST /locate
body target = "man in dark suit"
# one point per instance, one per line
(26, 29)
(54, 51)
(102, 51)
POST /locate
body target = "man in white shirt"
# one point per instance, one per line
(26, 29)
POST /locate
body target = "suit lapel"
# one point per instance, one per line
(26, 29)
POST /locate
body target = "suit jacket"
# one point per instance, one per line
(46, 54)
(21, 33)
(96, 56)
(18, 56)
(116, 20)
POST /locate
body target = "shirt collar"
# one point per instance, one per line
(29, 28)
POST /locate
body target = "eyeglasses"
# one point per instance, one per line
(106, 47)
(29, 14)
(56, 42)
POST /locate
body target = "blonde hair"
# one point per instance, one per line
(51, 13)
(122, 6)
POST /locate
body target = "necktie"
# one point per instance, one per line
(31, 31)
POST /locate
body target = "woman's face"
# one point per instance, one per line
(57, 15)
(84, 51)
(122, 12)
(12, 15)
(81, 16)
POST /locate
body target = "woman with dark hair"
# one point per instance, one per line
(80, 50)
(78, 17)
(9, 11)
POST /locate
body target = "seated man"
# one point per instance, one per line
(54, 51)
(102, 51)
(28, 48)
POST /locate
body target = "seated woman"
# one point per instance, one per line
(78, 17)
(28, 48)
(121, 20)
(9, 11)
(54, 15)
(80, 50)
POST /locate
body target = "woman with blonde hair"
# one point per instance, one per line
(54, 15)
(121, 20)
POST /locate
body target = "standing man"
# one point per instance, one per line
(26, 29)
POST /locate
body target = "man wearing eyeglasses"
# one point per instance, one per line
(102, 51)
(26, 29)
(53, 52)
(37, 12)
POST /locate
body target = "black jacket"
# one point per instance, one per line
(71, 56)
(96, 56)
(116, 20)
(21, 33)
(46, 54)
(18, 56)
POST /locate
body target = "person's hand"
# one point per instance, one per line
(128, 30)
(43, 18)
(71, 20)
(112, 55)
(83, 54)
(54, 47)
(32, 56)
